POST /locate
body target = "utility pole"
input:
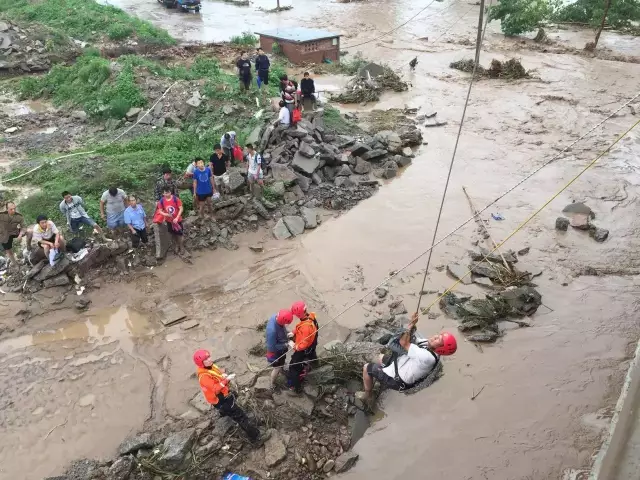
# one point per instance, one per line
(479, 38)
(604, 19)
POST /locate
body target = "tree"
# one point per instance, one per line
(620, 15)
(604, 19)
(520, 16)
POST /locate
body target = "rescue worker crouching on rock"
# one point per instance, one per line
(277, 342)
(215, 387)
(304, 342)
(410, 363)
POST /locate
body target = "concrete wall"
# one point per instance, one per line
(308, 52)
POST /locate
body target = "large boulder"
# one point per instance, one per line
(391, 140)
(295, 224)
(266, 135)
(277, 189)
(374, 155)
(305, 165)
(344, 171)
(345, 461)
(306, 150)
(280, 230)
(297, 132)
(57, 281)
(283, 173)
(176, 448)
(362, 167)
(401, 161)
(303, 182)
(135, 443)
(359, 149)
(236, 180)
(310, 216)
(49, 272)
(121, 469)
(275, 449)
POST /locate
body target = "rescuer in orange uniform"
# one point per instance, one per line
(304, 343)
(215, 387)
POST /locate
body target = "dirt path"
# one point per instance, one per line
(547, 389)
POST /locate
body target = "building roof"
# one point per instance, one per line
(298, 34)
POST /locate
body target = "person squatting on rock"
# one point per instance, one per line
(412, 360)
(47, 236)
(277, 342)
(12, 228)
(72, 207)
(135, 219)
(214, 383)
(304, 342)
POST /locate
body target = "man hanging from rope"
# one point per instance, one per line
(412, 360)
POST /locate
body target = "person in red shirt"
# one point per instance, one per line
(214, 383)
(304, 342)
(170, 209)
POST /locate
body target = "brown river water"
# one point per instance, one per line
(74, 385)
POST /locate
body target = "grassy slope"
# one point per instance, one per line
(85, 20)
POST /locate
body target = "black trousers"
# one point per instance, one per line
(140, 235)
(296, 366)
(227, 407)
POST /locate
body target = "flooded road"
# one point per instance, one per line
(91, 377)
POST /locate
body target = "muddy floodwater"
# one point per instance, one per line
(74, 385)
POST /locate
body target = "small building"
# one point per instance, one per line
(302, 45)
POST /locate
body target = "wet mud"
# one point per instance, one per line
(74, 385)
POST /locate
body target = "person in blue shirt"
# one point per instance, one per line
(278, 340)
(134, 219)
(203, 186)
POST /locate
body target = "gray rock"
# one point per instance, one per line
(382, 291)
(297, 132)
(236, 181)
(133, 113)
(121, 469)
(305, 165)
(374, 155)
(254, 136)
(303, 182)
(58, 281)
(159, 122)
(282, 173)
(266, 135)
(222, 426)
(344, 182)
(262, 385)
(599, 234)
(294, 223)
(484, 281)
(345, 461)
(227, 109)
(290, 197)
(80, 115)
(407, 152)
(172, 121)
(145, 118)
(391, 140)
(310, 217)
(362, 167)
(328, 466)
(323, 374)
(316, 179)
(280, 231)
(306, 150)
(459, 272)
(402, 161)
(49, 272)
(562, 224)
(485, 269)
(397, 308)
(277, 188)
(579, 208)
(176, 448)
(135, 443)
(200, 403)
(275, 449)
(381, 336)
(344, 171)
(524, 251)
(195, 101)
(579, 221)
(359, 149)
(390, 170)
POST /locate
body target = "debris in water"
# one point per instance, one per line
(370, 82)
(511, 69)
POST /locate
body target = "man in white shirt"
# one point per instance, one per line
(284, 118)
(411, 362)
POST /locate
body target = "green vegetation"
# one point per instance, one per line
(351, 66)
(335, 121)
(247, 38)
(85, 20)
(522, 16)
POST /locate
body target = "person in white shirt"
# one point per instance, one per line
(411, 362)
(284, 118)
(254, 167)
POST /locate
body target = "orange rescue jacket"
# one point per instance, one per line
(305, 333)
(213, 384)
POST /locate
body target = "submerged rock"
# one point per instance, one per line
(345, 461)
(562, 224)
(599, 234)
(459, 272)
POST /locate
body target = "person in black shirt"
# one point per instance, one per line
(219, 164)
(262, 67)
(308, 88)
(244, 71)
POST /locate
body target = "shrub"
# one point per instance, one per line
(247, 38)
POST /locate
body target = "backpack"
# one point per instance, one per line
(76, 244)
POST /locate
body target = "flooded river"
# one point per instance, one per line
(75, 385)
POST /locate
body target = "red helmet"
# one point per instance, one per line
(299, 309)
(200, 356)
(284, 317)
(449, 344)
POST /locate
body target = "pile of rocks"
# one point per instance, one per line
(580, 216)
(30, 49)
